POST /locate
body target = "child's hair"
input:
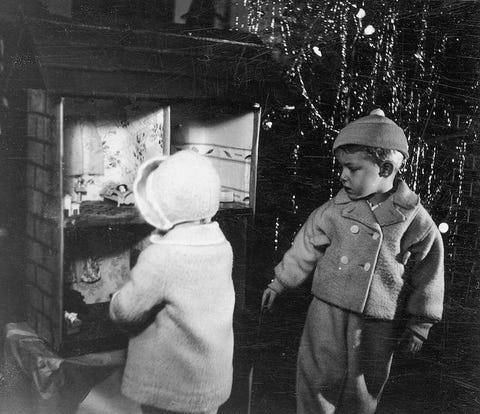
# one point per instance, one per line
(376, 154)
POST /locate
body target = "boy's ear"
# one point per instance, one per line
(386, 169)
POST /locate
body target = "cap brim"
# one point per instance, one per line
(139, 190)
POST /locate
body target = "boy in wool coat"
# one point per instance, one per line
(180, 295)
(378, 282)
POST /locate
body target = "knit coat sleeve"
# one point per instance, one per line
(142, 292)
(307, 248)
(425, 303)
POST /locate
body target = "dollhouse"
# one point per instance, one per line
(99, 101)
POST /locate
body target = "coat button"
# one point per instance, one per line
(375, 236)
(354, 229)
(367, 267)
(344, 259)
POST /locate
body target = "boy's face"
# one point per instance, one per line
(360, 176)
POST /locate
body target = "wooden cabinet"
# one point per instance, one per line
(78, 147)
(100, 101)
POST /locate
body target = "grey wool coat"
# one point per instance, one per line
(382, 263)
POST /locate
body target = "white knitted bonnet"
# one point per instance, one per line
(175, 189)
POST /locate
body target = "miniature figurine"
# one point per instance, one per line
(79, 189)
(120, 194)
(91, 271)
(72, 322)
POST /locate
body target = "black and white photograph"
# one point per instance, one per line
(240, 206)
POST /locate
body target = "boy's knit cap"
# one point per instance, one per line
(178, 188)
(373, 130)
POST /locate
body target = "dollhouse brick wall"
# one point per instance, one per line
(44, 239)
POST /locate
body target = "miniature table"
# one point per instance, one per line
(83, 384)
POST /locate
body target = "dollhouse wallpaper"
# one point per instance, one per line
(105, 143)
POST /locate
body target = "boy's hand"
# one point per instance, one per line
(268, 298)
(409, 343)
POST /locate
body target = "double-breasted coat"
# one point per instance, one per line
(380, 263)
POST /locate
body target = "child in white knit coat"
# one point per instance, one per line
(180, 294)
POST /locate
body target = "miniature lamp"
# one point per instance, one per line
(83, 155)
(83, 152)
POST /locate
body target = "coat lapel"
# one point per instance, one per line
(387, 213)
(399, 207)
(360, 211)
(393, 210)
(356, 210)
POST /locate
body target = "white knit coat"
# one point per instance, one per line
(181, 288)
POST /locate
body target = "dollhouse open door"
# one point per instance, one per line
(229, 138)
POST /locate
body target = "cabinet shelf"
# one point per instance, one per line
(105, 213)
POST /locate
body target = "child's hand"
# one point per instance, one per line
(268, 298)
(409, 343)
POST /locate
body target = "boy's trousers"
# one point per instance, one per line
(344, 361)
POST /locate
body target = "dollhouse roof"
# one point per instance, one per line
(82, 60)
